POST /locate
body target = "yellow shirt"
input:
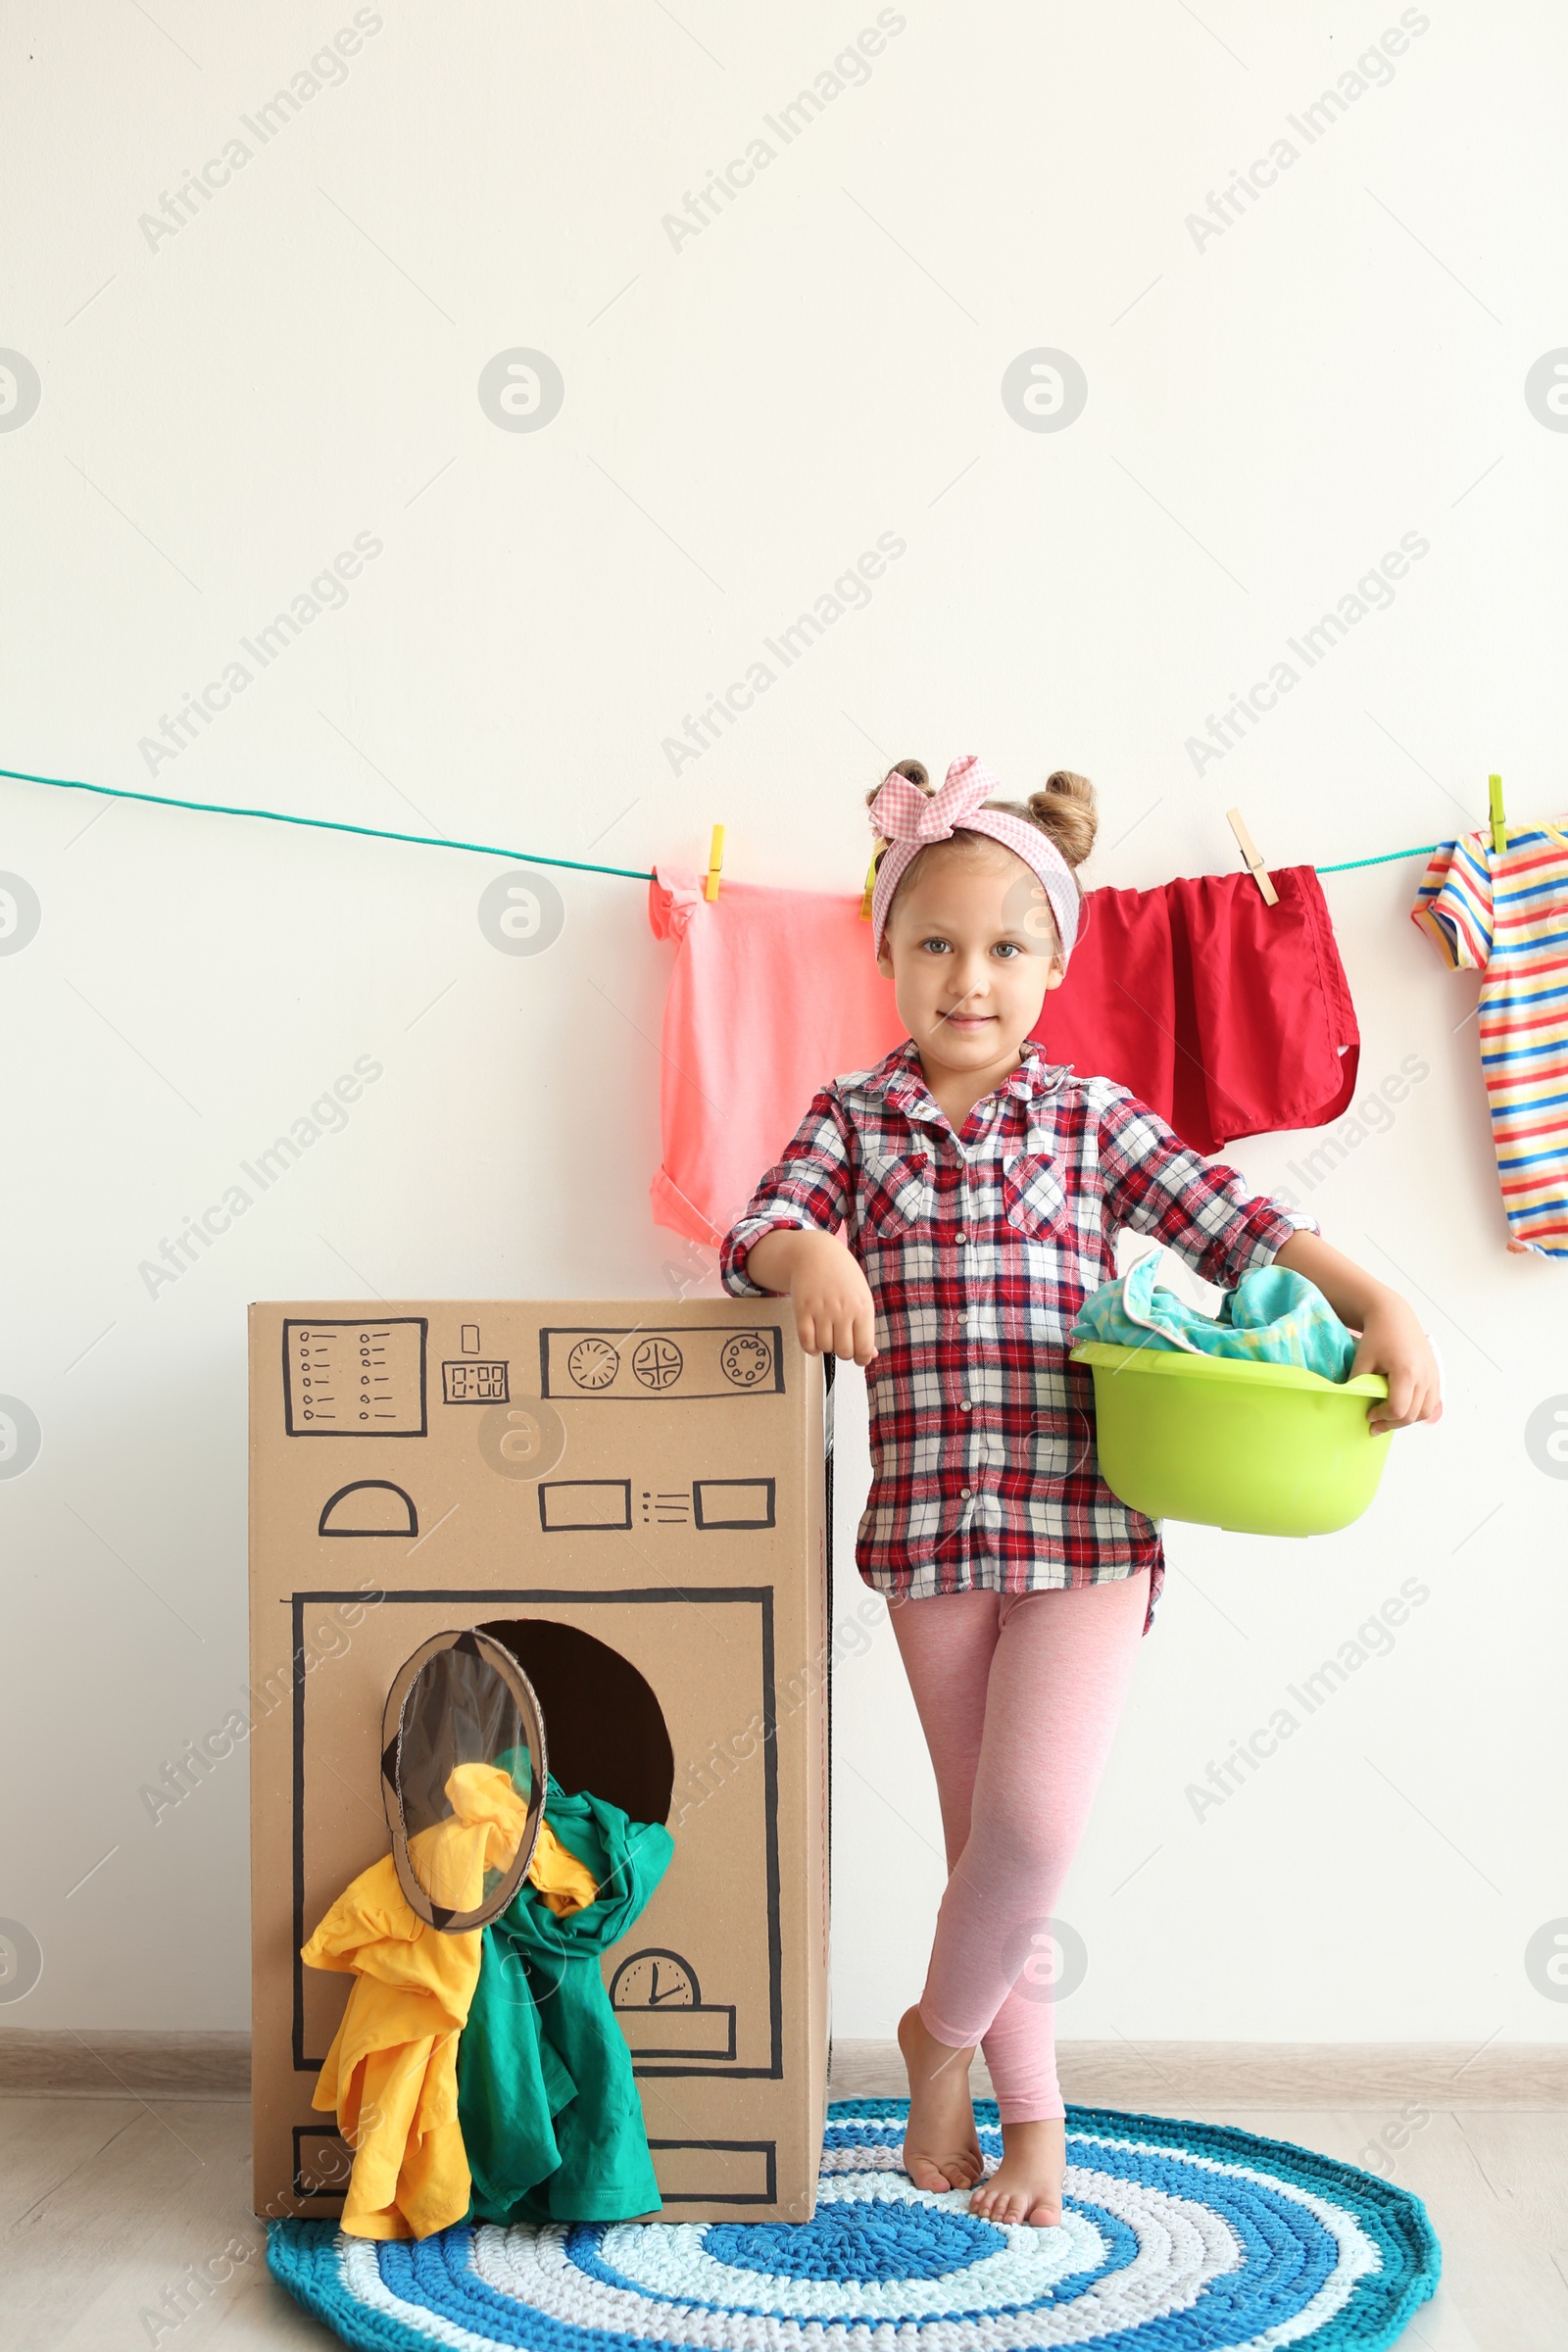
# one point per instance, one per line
(391, 2074)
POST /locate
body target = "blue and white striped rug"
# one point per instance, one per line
(1175, 2237)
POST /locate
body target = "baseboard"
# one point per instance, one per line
(1161, 2077)
(94, 2064)
(1173, 2077)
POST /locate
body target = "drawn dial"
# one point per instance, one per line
(746, 1359)
(658, 1363)
(593, 1363)
(653, 1981)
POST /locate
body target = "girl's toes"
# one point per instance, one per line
(940, 2172)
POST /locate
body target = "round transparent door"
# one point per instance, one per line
(462, 1779)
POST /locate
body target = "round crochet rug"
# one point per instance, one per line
(1174, 2235)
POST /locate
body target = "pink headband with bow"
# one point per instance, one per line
(908, 819)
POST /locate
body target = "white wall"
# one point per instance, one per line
(225, 408)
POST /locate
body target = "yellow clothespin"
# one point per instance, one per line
(1500, 823)
(870, 884)
(715, 862)
(1254, 863)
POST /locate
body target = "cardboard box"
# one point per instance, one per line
(633, 1493)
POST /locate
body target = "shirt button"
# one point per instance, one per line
(960, 1237)
(963, 1405)
(966, 1492)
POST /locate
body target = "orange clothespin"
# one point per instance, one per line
(715, 864)
(1254, 862)
(1500, 823)
(870, 883)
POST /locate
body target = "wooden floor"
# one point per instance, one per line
(108, 2202)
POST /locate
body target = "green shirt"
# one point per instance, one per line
(548, 2108)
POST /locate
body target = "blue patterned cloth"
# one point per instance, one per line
(1272, 1317)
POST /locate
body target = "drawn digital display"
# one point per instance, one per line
(466, 1381)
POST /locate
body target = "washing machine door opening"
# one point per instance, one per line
(608, 1733)
(463, 1772)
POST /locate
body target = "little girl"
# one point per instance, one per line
(979, 1189)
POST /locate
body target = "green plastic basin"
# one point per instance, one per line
(1263, 1450)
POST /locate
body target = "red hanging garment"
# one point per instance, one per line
(1226, 1015)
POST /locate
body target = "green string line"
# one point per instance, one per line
(483, 849)
(326, 824)
(1389, 858)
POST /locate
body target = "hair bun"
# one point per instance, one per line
(1065, 811)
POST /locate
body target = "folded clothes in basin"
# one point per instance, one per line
(1272, 1317)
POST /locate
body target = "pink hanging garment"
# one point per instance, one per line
(1228, 1016)
(774, 992)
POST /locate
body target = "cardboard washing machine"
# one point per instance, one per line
(631, 1497)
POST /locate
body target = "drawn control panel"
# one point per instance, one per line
(355, 1380)
(639, 1365)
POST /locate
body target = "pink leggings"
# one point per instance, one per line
(1018, 1695)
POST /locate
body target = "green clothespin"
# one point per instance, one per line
(1500, 823)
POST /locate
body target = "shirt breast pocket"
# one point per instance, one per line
(898, 1193)
(1034, 1197)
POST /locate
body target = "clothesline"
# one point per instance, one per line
(484, 849)
(326, 824)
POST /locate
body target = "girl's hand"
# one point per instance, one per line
(833, 1310)
(1394, 1344)
(1391, 1340)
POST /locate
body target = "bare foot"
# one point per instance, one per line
(1026, 2186)
(940, 2147)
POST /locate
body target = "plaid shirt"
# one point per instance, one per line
(980, 1249)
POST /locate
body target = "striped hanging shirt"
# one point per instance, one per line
(1506, 916)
